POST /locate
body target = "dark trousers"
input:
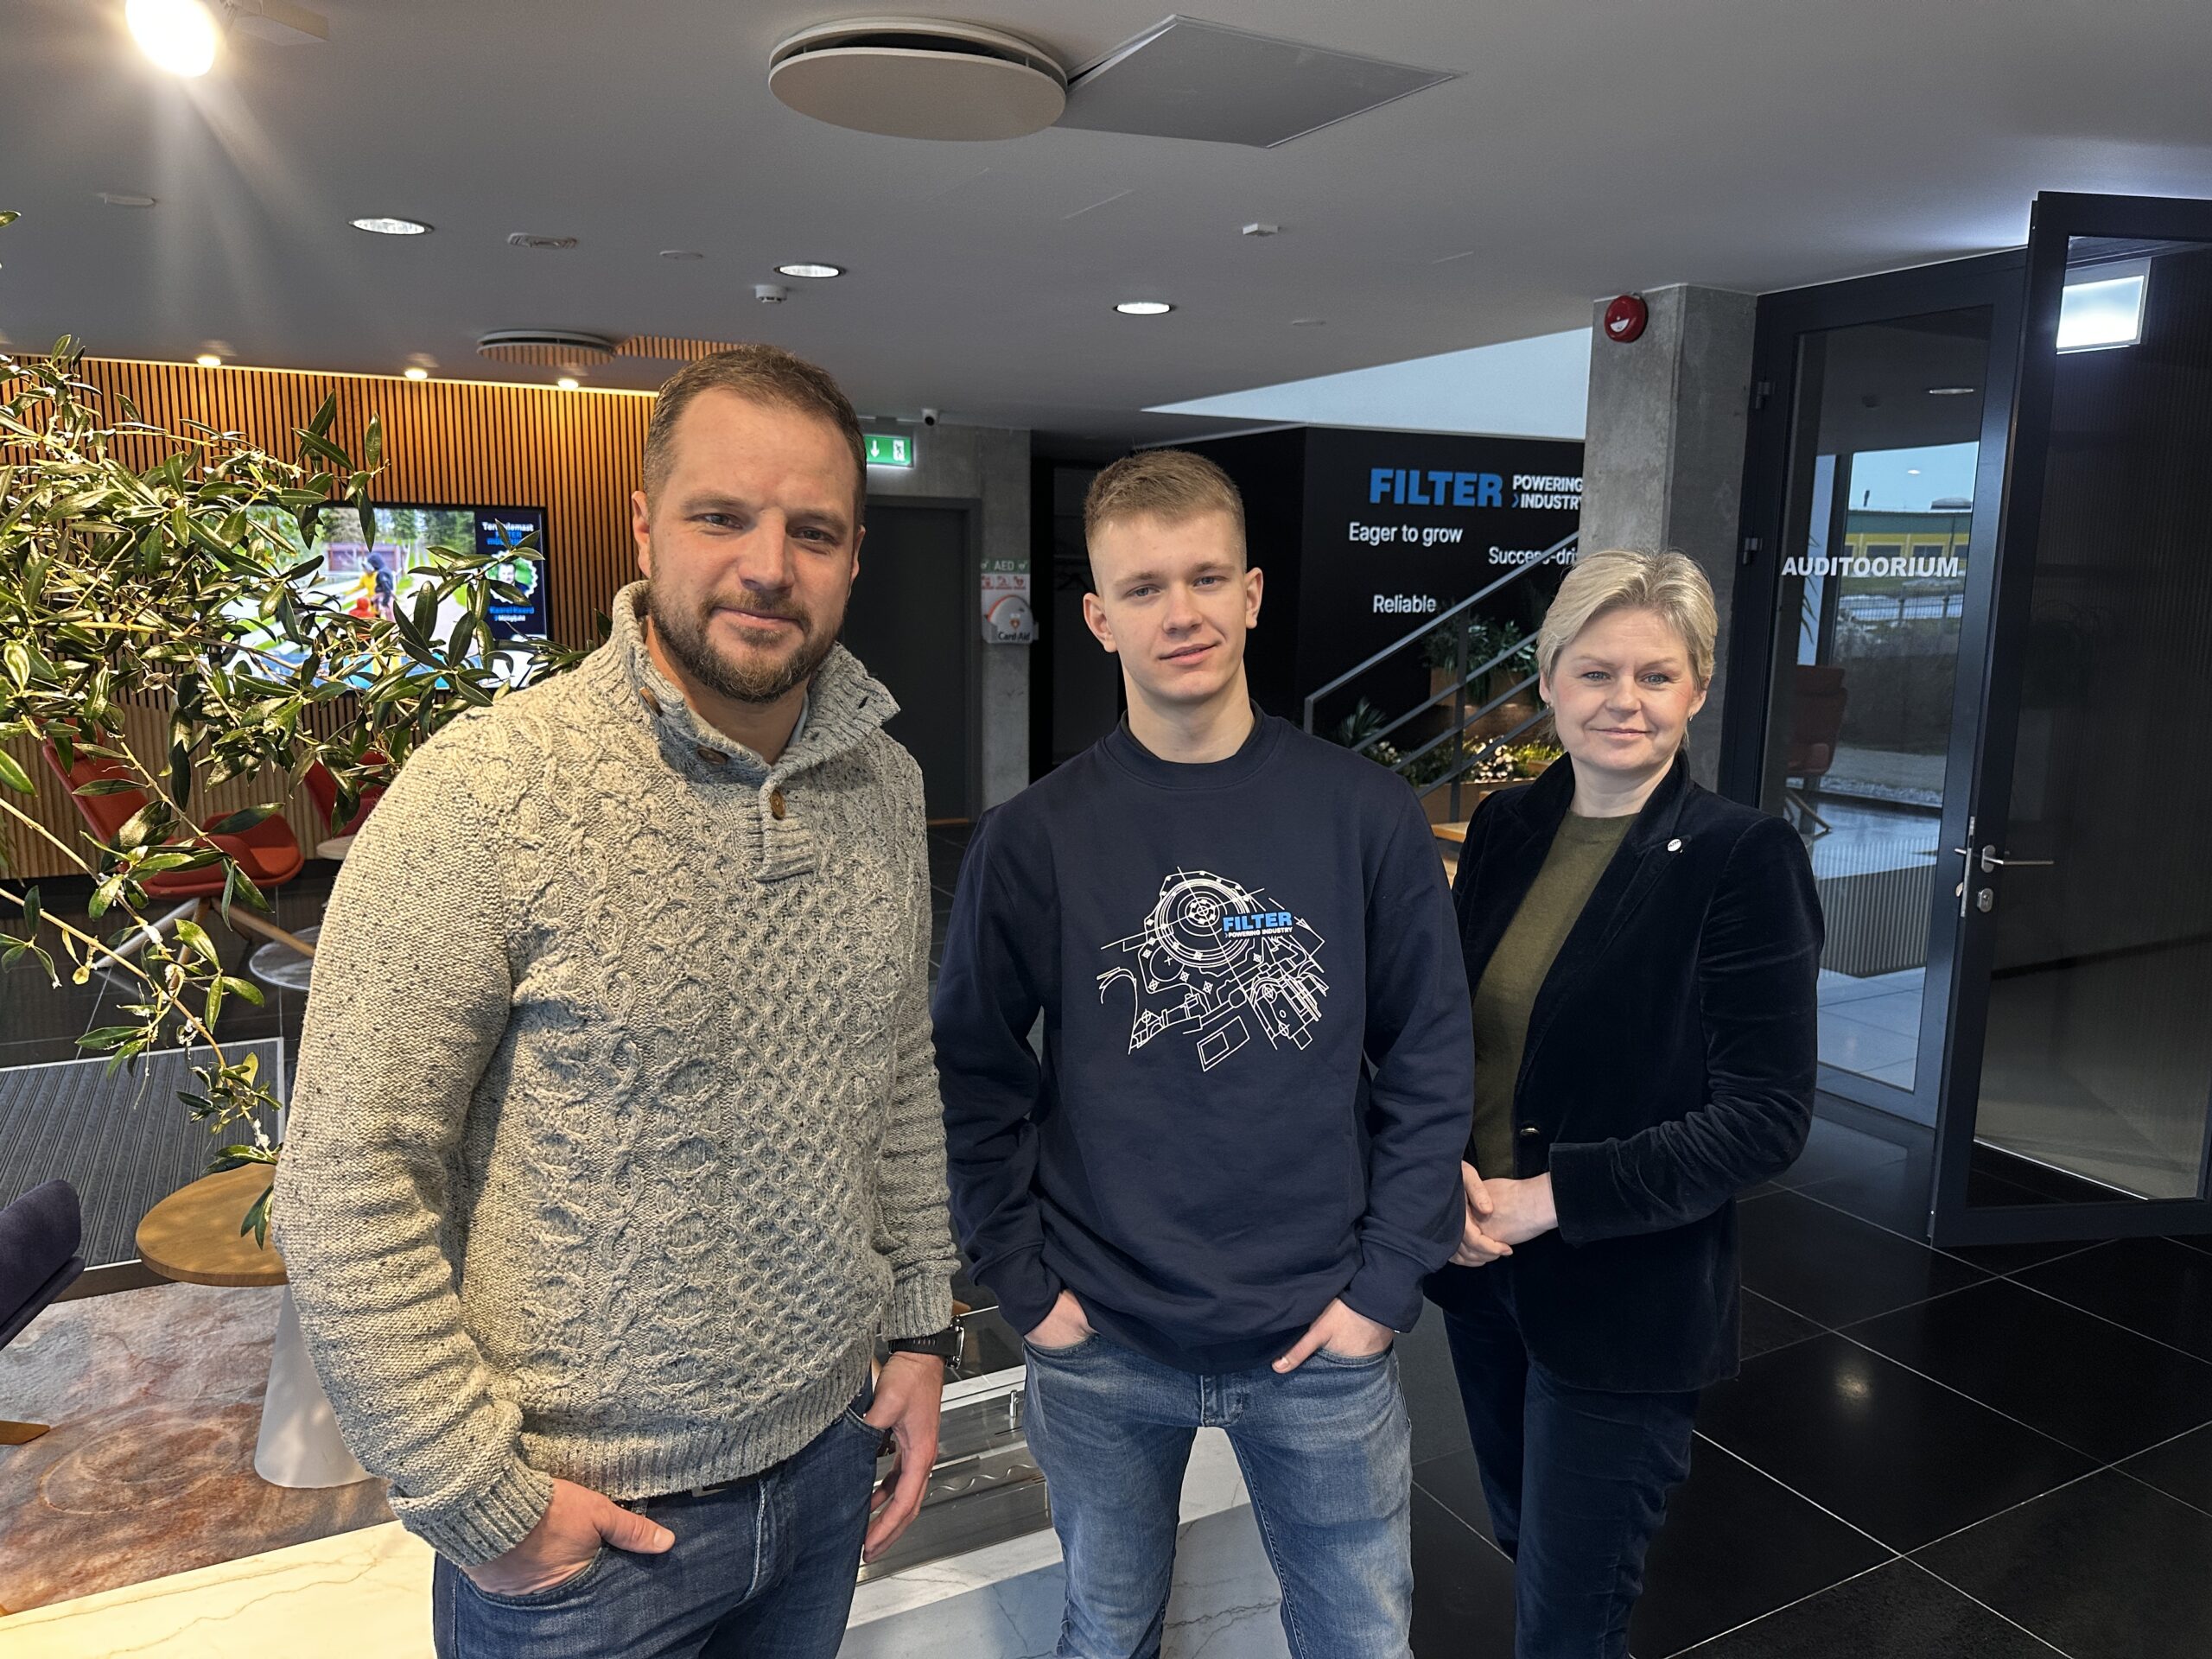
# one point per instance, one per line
(1577, 1482)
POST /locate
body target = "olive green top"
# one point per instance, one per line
(1580, 852)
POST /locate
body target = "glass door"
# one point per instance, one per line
(2078, 1095)
(1876, 459)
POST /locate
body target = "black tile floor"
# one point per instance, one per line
(1979, 1453)
(1973, 1454)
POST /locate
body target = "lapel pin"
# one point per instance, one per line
(1675, 845)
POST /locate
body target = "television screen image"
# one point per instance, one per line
(369, 579)
(365, 578)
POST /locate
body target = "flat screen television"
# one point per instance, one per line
(373, 578)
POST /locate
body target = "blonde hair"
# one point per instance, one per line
(1669, 585)
(1172, 485)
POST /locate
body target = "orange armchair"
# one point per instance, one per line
(268, 852)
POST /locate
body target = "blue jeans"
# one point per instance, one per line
(1577, 1481)
(761, 1568)
(1327, 1456)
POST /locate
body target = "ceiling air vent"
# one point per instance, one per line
(919, 78)
(551, 348)
(555, 244)
(1187, 79)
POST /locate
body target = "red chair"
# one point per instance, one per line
(1815, 727)
(322, 788)
(268, 852)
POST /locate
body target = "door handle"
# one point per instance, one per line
(1986, 897)
(1990, 861)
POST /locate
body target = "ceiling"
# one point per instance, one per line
(1588, 147)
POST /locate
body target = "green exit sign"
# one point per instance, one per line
(890, 450)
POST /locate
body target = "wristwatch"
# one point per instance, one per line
(944, 1345)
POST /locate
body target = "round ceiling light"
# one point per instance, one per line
(1144, 308)
(1952, 392)
(681, 253)
(208, 360)
(810, 271)
(919, 78)
(392, 226)
(178, 36)
(567, 382)
(416, 372)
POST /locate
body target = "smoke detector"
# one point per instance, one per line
(550, 348)
(919, 78)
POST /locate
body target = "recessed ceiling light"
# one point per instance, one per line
(1307, 322)
(392, 226)
(416, 372)
(1912, 472)
(123, 198)
(208, 360)
(1144, 308)
(178, 36)
(680, 253)
(567, 382)
(804, 270)
(1952, 392)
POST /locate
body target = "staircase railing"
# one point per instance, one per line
(1463, 717)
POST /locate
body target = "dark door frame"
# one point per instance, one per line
(1993, 280)
(971, 654)
(2057, 218)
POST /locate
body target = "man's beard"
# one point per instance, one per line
(686, 639)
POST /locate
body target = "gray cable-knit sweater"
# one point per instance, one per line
(616, 1136)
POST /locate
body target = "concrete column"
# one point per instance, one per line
(1663, 464)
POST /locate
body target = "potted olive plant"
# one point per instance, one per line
(167, 584)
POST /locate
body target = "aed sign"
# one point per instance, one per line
(890, 450)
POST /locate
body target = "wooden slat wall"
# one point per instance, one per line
(574, 453)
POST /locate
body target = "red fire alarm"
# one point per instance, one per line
(1626, 317)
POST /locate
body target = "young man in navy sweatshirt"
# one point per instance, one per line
(1213, 1200)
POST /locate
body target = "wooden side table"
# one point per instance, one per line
(193, 1236)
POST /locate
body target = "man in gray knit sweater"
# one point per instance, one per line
(616, 1141)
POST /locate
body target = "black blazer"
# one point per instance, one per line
(1670, 1064)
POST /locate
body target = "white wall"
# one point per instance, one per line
(1536, 388)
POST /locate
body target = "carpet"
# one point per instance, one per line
(123, 1138)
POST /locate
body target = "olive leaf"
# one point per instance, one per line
(172, 568)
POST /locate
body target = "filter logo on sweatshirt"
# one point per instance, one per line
(1213, 960)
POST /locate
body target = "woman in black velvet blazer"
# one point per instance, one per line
(1668, 1063)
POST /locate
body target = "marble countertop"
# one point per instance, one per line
(373, 1585)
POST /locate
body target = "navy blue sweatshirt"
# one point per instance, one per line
(1258, 1067)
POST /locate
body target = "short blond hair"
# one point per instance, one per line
(1669, 585)
(1172, 485)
